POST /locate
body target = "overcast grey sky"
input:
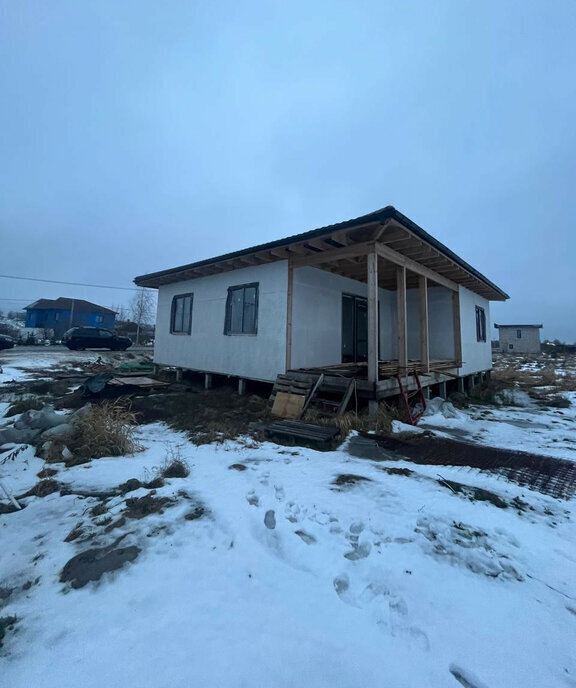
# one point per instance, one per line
(139, 135)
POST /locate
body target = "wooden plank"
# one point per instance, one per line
(372, 278)
(301, 425)
(424, 336)
(402, 319)
(403, 261)
(346, 398)
(457, 327)
(303, 429)
(352, 251)
(313, 391)
(288, 405)
(136, 381)
(299, 428)
(289, 302)
(280, 384)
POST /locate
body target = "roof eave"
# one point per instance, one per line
(157, 279)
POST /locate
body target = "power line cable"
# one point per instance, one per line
(74, 284)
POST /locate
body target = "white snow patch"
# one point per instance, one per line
(392, 581)
(530, 428)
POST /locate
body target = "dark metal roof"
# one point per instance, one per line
(387, 213)
(65, 304)
(517, 326)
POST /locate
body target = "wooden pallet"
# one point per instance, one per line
(310, 390)
(284, 383)
(296, 430)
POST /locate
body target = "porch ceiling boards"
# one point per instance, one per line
(342, 249)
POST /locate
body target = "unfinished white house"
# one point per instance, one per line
(372, 298)
(519, 339)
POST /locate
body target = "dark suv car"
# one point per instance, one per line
(80, 338)
(6, 342)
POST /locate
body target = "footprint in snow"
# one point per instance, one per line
(465, 678)
(270, 519)
(323, 518)
(342, 586)
(279, 492)
(389, 611)
(359, 550)
(293, 512)
(308, 539)
(252, 499)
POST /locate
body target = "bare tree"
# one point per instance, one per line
(122, 312)
(142, 309)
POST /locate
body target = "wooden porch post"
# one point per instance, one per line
(457, 327)
(401, 319)
(424, 337)
(373, 334)
(289, 293)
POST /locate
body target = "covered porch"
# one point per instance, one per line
(399, 343)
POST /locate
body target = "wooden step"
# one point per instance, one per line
(295, 430)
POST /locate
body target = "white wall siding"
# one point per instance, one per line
(261, 356)
(316, 323)
(317, 317)
(476, 356)
(440, 323)
(441, 319)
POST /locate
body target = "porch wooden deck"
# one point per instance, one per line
(337, 377)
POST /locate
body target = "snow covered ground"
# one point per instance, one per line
(528, 427)
(293, 576)
(16, 365)
(279, 567)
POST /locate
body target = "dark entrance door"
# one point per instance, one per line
(354, 329)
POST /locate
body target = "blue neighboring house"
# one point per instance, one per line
(61, 314)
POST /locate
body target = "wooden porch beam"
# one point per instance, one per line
(289, 301)
(342, 238)
(402, 318)
(457, 327)
(424, 337)
(333, 254)
(373, 334)
(280, 253)
(300, 250)
(401, 260)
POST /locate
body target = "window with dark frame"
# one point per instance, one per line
(480, 324)
(518, 334)
(181, 314)
(242, 309)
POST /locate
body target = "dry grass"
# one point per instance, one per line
(26, 403)
(511, 375)
(105, 430)
(361, 421)
(43, 488)
(544, 377)
(567, 382)
(174, 465)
